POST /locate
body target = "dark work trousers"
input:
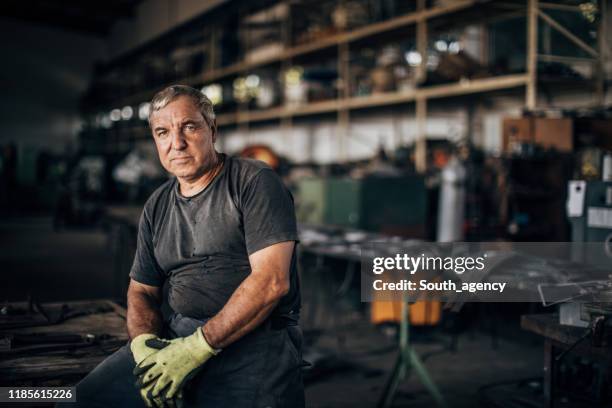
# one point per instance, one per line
(262, 369)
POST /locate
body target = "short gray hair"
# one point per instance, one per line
(169, 94)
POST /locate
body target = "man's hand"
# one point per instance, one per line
(164, 373)
(143, 346)
(140, 349)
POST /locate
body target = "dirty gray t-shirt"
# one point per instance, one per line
(201, 244)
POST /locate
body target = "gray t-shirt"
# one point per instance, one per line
(201, 244)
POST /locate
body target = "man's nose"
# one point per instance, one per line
(178, 140)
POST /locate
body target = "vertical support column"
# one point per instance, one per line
(532, 54)
(600, 64)
(421, 43)
(286, 121)
(421, 136)
(421, 103)
(344, 94)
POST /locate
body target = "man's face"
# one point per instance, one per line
(185, 142)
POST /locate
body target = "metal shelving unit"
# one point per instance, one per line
(337, 40)
(536, 12)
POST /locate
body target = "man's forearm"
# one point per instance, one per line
(143, 315)
(248, 307)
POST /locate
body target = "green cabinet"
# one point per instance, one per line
(394, 205)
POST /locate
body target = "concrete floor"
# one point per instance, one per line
(77, 264)
(459, 374)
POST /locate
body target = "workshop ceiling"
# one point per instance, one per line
(90, 17)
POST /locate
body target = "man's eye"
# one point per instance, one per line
(162, 134)
(190, 127)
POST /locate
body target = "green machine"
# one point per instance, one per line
(393, 205)
(589, 208)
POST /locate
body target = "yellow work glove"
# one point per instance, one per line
(143, 346)
(173, 365)
(139, 348)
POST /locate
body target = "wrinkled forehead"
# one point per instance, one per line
(181, 109)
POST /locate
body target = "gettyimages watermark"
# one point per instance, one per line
(413, 264)
(544, 272)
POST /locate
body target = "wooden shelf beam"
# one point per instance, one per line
(465, 87)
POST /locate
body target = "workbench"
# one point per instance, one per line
(557, 338)
(60, 345)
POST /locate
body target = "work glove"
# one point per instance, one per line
(165, 372)
(140, 349)
(143, 346)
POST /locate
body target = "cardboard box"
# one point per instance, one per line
(555, 134)
(547, 133)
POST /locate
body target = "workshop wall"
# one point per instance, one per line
(44, 73)
(154, 17)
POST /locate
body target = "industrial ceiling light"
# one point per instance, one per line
(441, 46)
(252, 81)
(214, 92)
(413, 58)
(143, 110)
(115, 115)
(454, 47)
(106, 121)
(127, 112)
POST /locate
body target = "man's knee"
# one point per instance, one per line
(111, 383)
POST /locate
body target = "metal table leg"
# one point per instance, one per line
(408, 359)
